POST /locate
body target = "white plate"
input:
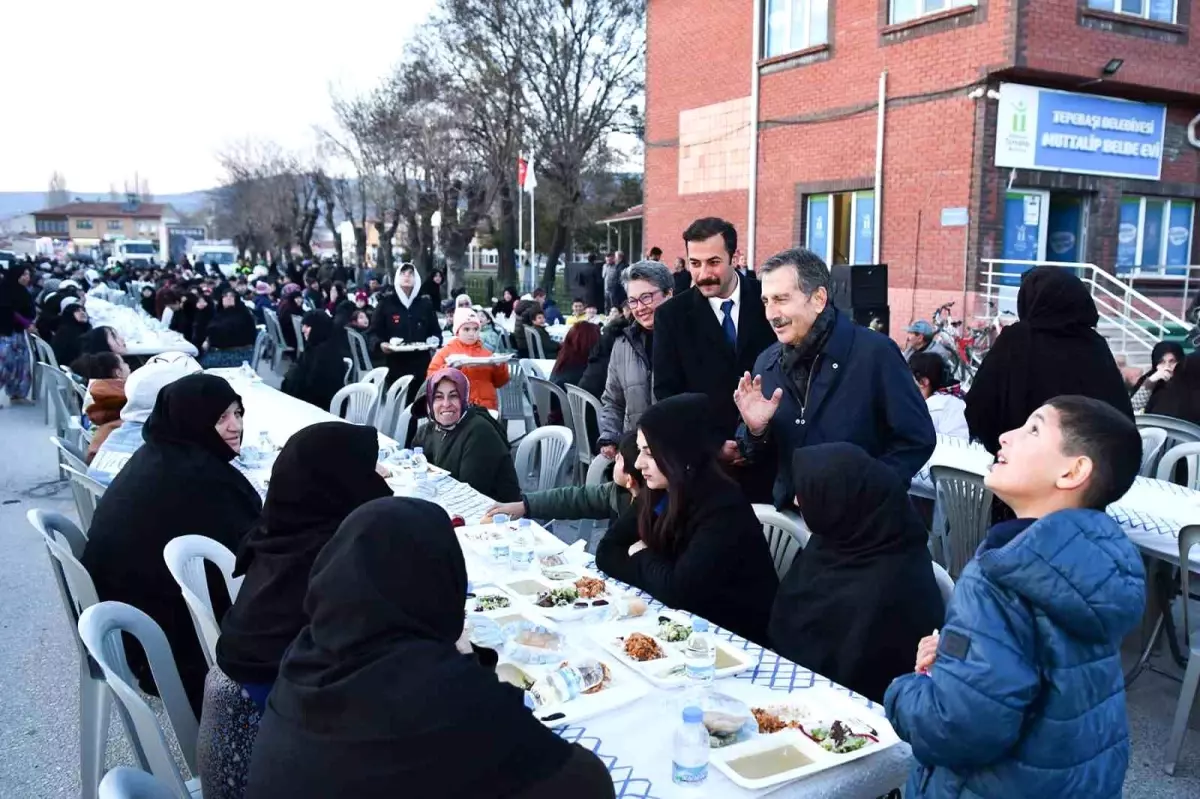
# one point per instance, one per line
(665, 672)
(818, 703)
(625, 687)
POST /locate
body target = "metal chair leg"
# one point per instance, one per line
(1183, 709)
(95, 703)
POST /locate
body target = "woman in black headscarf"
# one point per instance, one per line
(1180, 397)
(859, 598)
(375, 700)
(17, 313)
(323, 473)
(504, 305)
(691, 540)
(148, 304)
(180, 482)
(320, 372)
(1054, 349)
(73, 324)
(1165, 356)
(197, 313)
(231, 332)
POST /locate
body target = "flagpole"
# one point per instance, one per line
(533, 225)
(520, 216)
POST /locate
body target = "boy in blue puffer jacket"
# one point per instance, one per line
(1022, 693)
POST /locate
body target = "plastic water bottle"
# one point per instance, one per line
(418, 460)
(520, 554)
(498, 548)
(689, 762)
(247, 370)
(566, 683)
(700, 654)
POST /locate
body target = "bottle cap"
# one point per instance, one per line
(524, 523)
(699, 626)
(500, 518)
(692, 715)
(419, 449)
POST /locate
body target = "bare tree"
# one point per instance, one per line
(326, 193)
(584, 80)
(268, 199)
(56, 193)
(143, 190)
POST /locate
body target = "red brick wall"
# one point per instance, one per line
(1063, 36)
(698, 53)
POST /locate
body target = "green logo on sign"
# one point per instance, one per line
(1018, 120)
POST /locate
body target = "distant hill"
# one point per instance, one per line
(26, 202)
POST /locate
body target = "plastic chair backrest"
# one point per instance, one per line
(274, 330)
(1178, 430)
(45, 353)
(553, 444)
(378, 378)
(71, 454)
(299, 333)
(185, 557)
(945, 583)
(359, 351)
(512, 393)
(395, 399)
(580, 401)
(260, 348)
(355, 403)
(86, 492)
(596, 470)
(533, 342)
(1167, 463)
(544, 392)
(52, 378)
(786, 535)
(1153, 441)
(64, 545)
(100, 627)
(967, 510)
(124, 782)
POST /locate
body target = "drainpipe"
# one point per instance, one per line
(752, 209)
(882, 112)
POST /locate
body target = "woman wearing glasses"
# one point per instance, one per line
(627, 392)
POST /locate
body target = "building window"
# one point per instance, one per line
(907, 10)
(795, 25)
(841, 227)
(115, 224)
(1154, 232)
(83, 224)
(1153, 10)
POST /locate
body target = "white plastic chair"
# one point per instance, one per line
(945, 583)
(42, 353)
(131, 783)
(596, 470)
(279, 345)
(355, 403)
(395, 399)
(1153, 441)
(185, 557)
(544, 393)
(533, 343)
(581, 401)
(261, 342)
(299, 334)
(64, 546)
(553, 444)
(966, 507)
(378, 378)
(532, 369)
(359, 351)
(87, 493)
(515, 402)
(785, 533)
(1166, 464)
(1188, 537)
(100, 627)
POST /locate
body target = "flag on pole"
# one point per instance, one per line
(522, 171)
(528, 176)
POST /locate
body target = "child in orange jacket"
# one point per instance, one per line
(484, 380)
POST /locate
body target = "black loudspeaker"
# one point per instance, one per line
(860, 286)
(876, 317)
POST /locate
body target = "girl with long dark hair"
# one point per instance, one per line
(573, 356)
(691, 539)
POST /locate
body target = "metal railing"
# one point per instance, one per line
(1175, 282)
(1131, 321)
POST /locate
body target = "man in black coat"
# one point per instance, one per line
(706, 338)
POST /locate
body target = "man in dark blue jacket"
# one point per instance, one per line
(826, 379)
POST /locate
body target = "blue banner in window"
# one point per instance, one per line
(864, 229)
(1022, 229)
(818, 226)
(1068, 132)
(1127, 234)
(1179, 234)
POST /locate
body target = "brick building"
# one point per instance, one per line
(87, 224)
(974, 165)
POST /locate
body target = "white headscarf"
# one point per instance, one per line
(408, 301)
(142, 387)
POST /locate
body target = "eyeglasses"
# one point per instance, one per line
(645, 299)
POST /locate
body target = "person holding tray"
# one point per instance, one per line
(374, 698)
(409, 316)
(484, 379)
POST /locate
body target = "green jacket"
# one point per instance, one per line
(604, 501)
(475, 452)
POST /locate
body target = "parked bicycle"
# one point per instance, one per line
(968, 347)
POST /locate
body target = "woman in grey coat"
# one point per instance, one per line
(627, 391)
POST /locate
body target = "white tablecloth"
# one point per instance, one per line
(143, 335)
(1152, 512)
(557, 332)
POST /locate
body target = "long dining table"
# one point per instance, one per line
(633, 740)
(143, 334)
